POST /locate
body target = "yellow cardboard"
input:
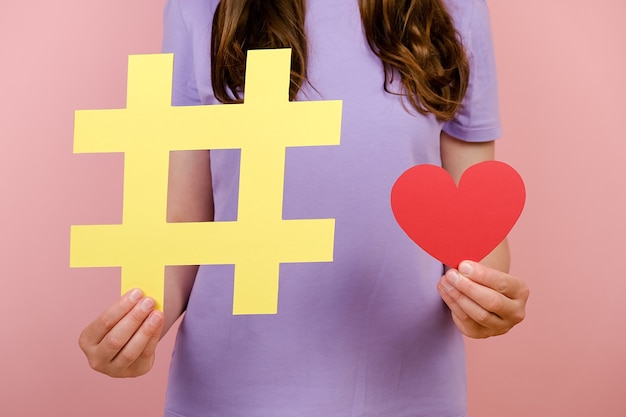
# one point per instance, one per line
(262, 127)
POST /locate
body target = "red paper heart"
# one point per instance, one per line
(458, 223)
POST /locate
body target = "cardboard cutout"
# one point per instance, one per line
(262, 127)
(458, 223)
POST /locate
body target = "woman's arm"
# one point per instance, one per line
(189, 199)
(121, 342)
(483, 298)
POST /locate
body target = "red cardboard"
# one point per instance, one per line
(453, 223)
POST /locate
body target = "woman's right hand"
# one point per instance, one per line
(122, 341)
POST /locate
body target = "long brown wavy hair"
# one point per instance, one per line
(415, 40)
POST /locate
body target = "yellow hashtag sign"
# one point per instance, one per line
(262, 127)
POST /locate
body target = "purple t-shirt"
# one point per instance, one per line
(366, 334)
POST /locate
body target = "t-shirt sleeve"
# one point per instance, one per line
(177, 40)
(478, 119)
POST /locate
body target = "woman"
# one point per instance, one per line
(368, 334)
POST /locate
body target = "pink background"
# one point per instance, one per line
(561, 65)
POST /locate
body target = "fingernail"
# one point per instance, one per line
(446, 285)
(155, 319)
(452, 277)
(147, 304)
(134, 295)
(466, 268)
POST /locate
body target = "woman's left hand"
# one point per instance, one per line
(484, 301)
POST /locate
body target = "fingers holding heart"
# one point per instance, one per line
(468, 221)
(484, 302)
